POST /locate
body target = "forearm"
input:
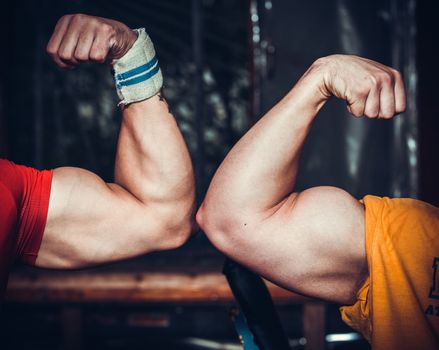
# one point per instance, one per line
(152, 160)
(150, 205)
(261, 169)
(310, 242)
(149, 208)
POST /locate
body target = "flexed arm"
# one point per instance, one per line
(311, 242)
(150, 205)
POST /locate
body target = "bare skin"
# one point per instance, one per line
(312, 242)
(150, 205)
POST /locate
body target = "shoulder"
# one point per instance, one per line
(24, 182)
(11, 190)
(399, 215)
(11, 178)
(7, 168)
(400, 208)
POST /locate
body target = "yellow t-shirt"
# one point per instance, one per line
(398, 305)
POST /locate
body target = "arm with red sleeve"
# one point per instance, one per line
(86, 221)
(150, 205)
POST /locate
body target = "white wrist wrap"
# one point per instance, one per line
(137, 74)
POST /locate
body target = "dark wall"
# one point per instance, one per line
(428, 53)
(360, 155)
(6, 22)
(71, 117)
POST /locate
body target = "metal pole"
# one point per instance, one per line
(37, 93)
(255, 45)
(197, 42)
(405, 164)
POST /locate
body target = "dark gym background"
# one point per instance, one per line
(225, 63)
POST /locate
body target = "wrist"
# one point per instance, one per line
(137, 73)
(310, 92)
(121, 41)
(319, 74)
(131, 38)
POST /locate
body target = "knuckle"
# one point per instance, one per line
(357, 111)
(92, 19)
(81, 55)
(396, 72)
(93, 23)
(98, 56)
(363, 91)
(79, 17)
(321, 61)
(387, 114)
(381, 115)
(386, 78)
(106, 29)
(64, 55)
(64, 19)
(371, 113)
(51, 50)
(372, 80)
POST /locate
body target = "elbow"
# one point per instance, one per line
(178, 233)
(176, 227)
(220, 228)
(204, 220)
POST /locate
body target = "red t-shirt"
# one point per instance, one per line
(24, 201)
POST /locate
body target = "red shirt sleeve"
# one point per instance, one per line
(31, 190)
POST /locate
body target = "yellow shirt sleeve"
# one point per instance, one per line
(398, 305)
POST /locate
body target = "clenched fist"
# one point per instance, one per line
(81, 38)
(368, 87)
